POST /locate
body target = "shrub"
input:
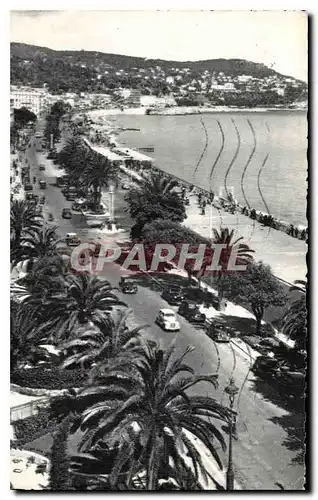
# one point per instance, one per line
(32, 428)
(53, 378)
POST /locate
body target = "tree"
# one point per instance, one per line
(79, 300)
(97, 175)
(23, 219)
(259, 288)
(41, 242)
(155, 198)
(243, 252)
(295, 319)
(59, 471)
(142, 409)
(108, 338)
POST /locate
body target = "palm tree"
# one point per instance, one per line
(22, 220)
(295, 319)
(23, 335)
(243, 252)
(143, 409)
(151, 187)
(108, 338)
(41, 242)
(79, 300)
(97, 175)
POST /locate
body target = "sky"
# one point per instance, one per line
(277, 39)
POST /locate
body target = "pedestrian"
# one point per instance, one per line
(296, 232)
(291, 230)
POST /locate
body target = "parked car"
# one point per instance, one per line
(28, 186)
(167, 320)
(76, 207)
(66, 213)
(126, 285)
(42, 184)
(41, 166)
(174, 295)
(72, 240)
(190, 311)
(125, 186)
(216, 333)
(201, 296)
(52, 155)
(265, 367)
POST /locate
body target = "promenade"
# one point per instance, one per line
(286, 255)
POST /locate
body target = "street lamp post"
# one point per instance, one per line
(210, 214)
(231, 390)
(111, 201)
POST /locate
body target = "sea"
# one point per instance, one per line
(261, 157)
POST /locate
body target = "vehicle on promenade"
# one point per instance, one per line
(42, 184)
(127, 285)
(66, 213)
(174, 295)
(191, 312)
(167, 320)
(50, 217)
(216, 333)
(52, 155)
(72, 240)
(266, 367)
(41, 167)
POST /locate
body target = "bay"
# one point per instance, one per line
(268, 172)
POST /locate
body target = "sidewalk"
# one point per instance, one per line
(285, 255)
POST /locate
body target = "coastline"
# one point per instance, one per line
(273, 246)
(191, 110)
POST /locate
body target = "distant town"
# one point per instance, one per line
(85, 80)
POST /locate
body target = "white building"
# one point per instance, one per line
(32, 99)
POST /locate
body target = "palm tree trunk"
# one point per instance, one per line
(152, 468)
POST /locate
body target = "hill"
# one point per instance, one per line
(86, 70)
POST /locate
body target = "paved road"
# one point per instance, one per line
(269, 436)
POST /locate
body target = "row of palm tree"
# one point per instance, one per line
(88, 170)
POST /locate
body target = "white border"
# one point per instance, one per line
(308, 5)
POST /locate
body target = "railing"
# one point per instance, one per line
(26, 410)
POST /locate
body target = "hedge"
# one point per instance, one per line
(53, 378)
(32, 428)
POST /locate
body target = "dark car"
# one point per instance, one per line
(265, 367)
(174, 295)
(41, 166)
(202, 297)
(127, 286)
(52, 155)
(28, 187)
(42, 184)
(66, 213)
(217, 334)
(190, 311)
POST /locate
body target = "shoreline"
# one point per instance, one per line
(191, 110)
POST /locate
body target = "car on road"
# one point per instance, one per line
(217, 334)
(66, 213)
(76, 206)
(28, 186)
(167, 320)
(265, 367)
(42, 184)
(174, 295)
(125, 186)
(52, 155)
(72, 240)
(41, 166)
(191, 312)
(127, 285)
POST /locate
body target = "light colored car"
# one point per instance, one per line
(72, 240)
(167, 319)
